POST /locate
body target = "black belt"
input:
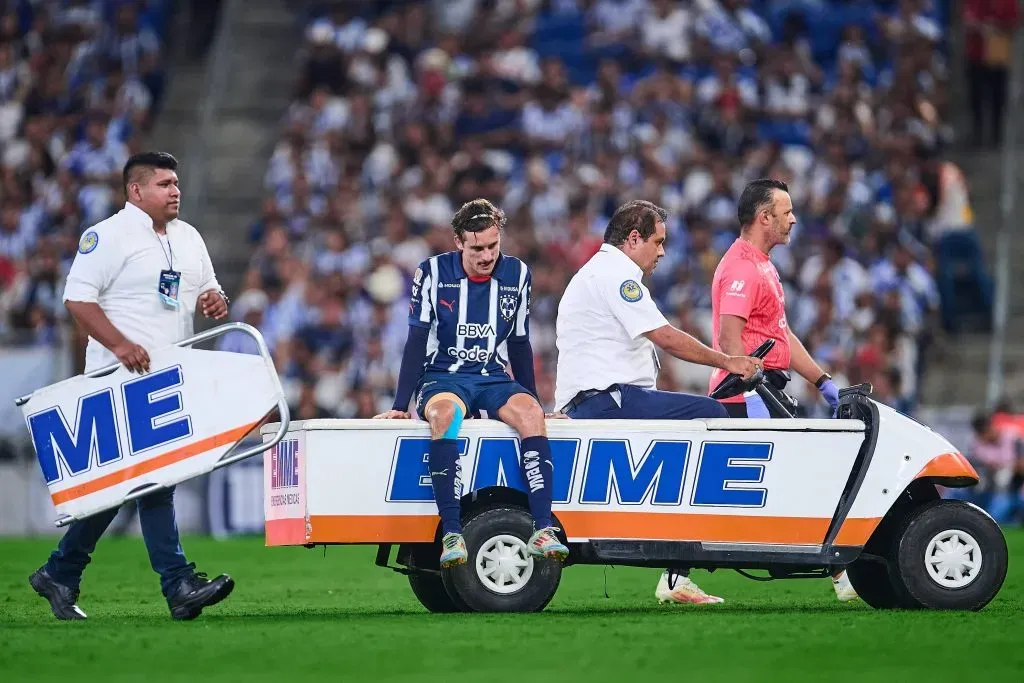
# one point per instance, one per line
(582, 396)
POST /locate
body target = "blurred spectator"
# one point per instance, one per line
(80, 82)
(995, 454)
(560, 110)
(989, 26)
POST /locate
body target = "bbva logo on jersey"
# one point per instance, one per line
(725, 473)
(153, 416)
(475, 330)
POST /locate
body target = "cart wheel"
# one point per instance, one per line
(500, 575)
(427, 585)
(872, 583)
(951, 555)
(878, 582)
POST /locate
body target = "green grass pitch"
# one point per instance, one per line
(299, 615)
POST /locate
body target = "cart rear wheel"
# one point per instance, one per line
(500, 575)
(426, 583)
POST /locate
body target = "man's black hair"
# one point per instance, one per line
(638, 215)
(756, 196)
(476, 216)
(140, 165)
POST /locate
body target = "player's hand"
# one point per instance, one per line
(744, 366)
(557, 416)
(393, 415)
(132, 356)
(212, 304)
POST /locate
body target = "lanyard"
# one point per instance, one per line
(170, 258)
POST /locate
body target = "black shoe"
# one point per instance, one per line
(196, 592)
(62, 598)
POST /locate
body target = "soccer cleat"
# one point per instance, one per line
(196, 592)
(62, 599)
(545, 543)
(844, 589)
(682, 590)
(453, 550)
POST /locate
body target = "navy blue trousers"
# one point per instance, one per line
(159, 530)
(638, 403)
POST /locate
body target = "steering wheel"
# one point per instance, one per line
(734, 384)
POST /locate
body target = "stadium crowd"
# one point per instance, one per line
(80, 84)
(559, 111)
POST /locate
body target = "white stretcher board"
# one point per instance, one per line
(111, 436)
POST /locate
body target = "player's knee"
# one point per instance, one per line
(531, 418)
(441, 415)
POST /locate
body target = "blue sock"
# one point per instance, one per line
(446, 478)
(536, 464)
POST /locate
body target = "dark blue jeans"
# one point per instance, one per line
(648, 404)
(962, 277)
(159, 530)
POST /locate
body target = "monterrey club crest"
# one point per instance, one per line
(507, 306)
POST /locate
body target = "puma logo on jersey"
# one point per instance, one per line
(450, 305)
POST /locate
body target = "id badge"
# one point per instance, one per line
(168, 288)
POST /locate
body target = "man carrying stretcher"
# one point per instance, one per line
(468, 317)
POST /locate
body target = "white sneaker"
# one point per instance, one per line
(844, 589)
(683, 591)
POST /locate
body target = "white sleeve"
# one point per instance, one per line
(209, 277)
(632, 305)
(96, 265)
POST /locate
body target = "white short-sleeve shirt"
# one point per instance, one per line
(118, 266)
(602, 317)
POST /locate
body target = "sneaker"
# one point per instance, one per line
(196, 592)
(682, 590)
(453, 550)
(62, 598)
(545, 543)
(844, 589)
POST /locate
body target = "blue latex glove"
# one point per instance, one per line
(830, 392)
(756, 406)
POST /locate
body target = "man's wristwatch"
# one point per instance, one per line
(821, 380)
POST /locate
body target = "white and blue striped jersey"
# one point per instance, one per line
(470, 322)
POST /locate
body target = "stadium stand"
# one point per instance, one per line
(559, 111)
(80, 83)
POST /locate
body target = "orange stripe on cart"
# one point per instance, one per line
(591, 524)
(171, 457)
(856, 531)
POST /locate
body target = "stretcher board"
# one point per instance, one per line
(112, 436)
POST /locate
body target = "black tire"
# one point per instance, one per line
(465, 584)
(986, 545)
(427, 585)
(871, 581)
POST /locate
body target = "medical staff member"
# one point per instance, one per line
(134, 286)
(606, 332)
(748, 305)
